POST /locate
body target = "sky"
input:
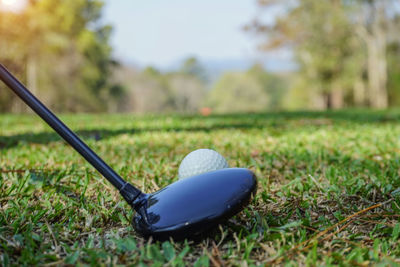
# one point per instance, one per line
(163, 33)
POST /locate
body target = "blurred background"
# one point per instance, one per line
(202, 56)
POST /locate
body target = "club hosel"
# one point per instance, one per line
(130, 193)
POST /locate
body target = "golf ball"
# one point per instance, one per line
(201, 161)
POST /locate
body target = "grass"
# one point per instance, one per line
(327, 192)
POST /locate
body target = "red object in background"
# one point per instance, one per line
(206, 111)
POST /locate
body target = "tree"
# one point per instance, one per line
(320, 34)
(12, 55)
(394, 74)
(273, 85)
(335, 62)
(191, 66)
(372, 25)
(67, 42)
(188, 92)
(151, 91)
(238, 92)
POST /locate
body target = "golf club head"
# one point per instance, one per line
(188, 207)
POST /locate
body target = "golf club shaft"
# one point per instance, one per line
(69, 136)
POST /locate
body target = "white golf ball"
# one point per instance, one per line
(201, 161)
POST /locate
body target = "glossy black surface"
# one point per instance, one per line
(191, 206)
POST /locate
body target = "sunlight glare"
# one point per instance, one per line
(12, 5)
(10, 2)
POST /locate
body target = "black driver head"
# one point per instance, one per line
(193, 205)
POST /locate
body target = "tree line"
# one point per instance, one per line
(347, 54)
(347, 51)
(61, 50)
(189, 89)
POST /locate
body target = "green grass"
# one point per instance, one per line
(315, 171)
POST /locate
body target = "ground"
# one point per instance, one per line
(327, 189)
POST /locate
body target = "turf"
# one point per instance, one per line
(327, 191)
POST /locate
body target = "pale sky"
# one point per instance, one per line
(162, 33)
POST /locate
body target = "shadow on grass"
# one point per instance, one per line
(99, 134)
(275, 120)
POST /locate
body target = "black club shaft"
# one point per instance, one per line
(127, 190)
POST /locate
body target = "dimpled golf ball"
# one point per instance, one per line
(201, 161)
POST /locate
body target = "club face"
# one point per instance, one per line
(193, 205)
